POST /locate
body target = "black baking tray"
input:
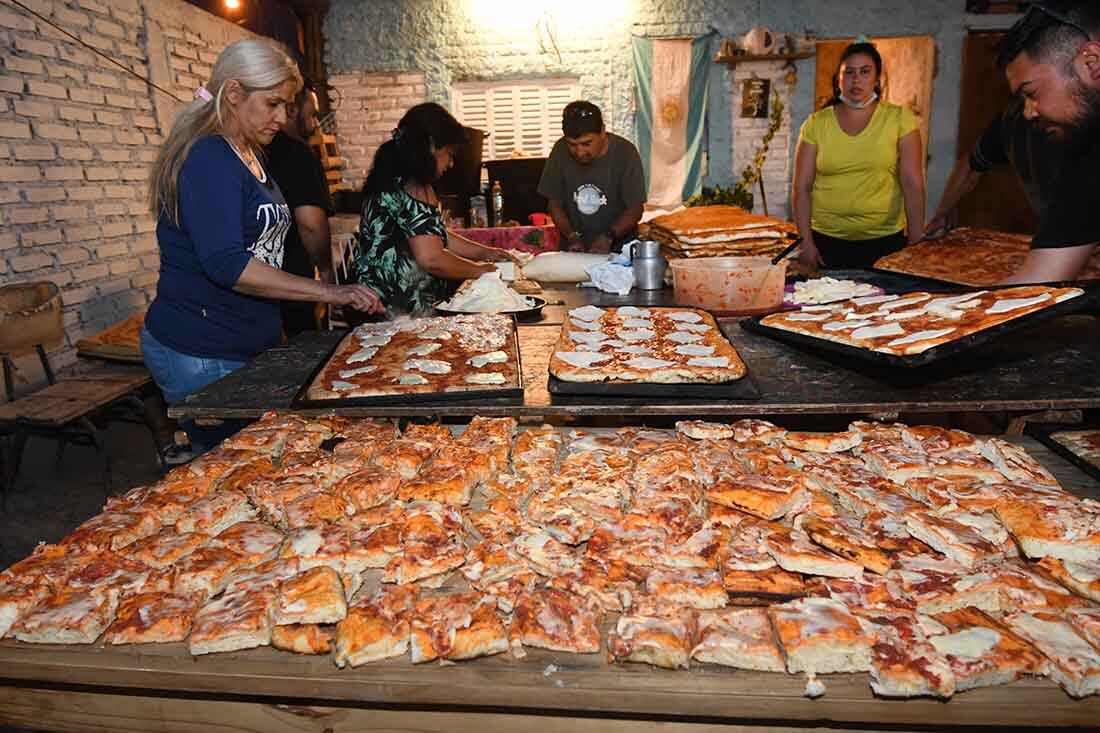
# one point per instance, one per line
(739, 390)
(528, 315)
(892, 282)
(1044, 433)
(934, 355)
(421, 399)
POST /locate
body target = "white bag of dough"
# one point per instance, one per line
(561, 267)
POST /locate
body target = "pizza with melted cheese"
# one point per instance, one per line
(155, 617)
(652, 345)
(422, 356)
(912, 323)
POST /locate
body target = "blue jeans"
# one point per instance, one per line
(178, 375)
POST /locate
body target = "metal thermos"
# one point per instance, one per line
(649, 265)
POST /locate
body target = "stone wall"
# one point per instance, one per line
(77, 136)
(367, 108)
(748, 133)
(460, 40)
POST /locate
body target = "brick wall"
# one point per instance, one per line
(77, 136)
(367, 108)
(748, 133)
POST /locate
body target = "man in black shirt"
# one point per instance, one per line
(1051, 135)
(302, 181)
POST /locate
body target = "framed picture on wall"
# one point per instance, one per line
(755, 94)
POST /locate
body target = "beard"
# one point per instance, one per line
(1083, 127)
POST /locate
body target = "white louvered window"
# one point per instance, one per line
(518, 115)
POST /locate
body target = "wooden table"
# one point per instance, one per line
(161, 687)
(1052, 366)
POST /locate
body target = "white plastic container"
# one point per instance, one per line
(729, 285)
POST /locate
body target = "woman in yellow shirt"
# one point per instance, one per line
(858, 172)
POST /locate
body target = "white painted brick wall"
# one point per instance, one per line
(748, 133)
(77, 136)
(367, 107)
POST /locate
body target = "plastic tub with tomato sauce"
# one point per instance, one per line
(729, 285)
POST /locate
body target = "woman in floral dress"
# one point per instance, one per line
(405, 252)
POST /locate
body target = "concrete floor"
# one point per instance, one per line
(51, 497)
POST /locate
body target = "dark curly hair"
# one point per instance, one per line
(408, 154)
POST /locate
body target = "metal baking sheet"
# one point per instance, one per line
(1044, 433)
(421, 399)
(931, 356)
(894, 282)
(739, 390)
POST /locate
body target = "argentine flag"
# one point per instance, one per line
(670, 87)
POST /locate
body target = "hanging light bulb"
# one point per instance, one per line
(232, 4)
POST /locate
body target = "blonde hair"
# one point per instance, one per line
(258, 66)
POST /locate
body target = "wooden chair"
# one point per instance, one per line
(67, 408)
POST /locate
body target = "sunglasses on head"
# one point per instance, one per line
(1055, 15)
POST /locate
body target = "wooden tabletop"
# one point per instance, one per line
(1051, 366)
(553, 684)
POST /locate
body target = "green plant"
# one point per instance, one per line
(740, 194)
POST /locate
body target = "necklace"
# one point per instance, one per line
(250, 161)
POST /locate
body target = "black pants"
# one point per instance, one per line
(851, 254)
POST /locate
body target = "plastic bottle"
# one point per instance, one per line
(497, 197)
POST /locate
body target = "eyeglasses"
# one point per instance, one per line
(1055, 15)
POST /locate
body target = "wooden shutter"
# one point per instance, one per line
(518, 115)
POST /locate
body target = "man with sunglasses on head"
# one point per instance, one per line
(1050, 134)
(594, 182)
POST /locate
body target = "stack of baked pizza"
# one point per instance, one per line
(935, 560)
(912, 323)
(969, 256)
(720, 231)
(656, 345)
(421, 356)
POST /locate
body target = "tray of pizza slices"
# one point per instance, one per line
(933, 560)
(652, 353)
(421, 360)
(969, 256)
(918, 328)
(1079, 444)
(120, 342)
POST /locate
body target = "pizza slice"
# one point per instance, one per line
(1023, 587)
(795, 553)
(847, 541)
(266, 575)
(449, 485)
(820, 636)
(318, 507)
(111, 531)
(216, 513)
(609, 586)
(488, 563)
(206, 571)
(167, 547)
(499, 522)
(937, 584)
(703, 430)
(758, 495)
(750, 573)
(980, 651)
(903, 662)
(240, 620)
(117, 573)
(556, 619)
(457, 626)
(694, 588)
(245, 474)
(867, 593)
(371, 546)
(326, 544)
(823, 442)
(259, 440)
(662, 641)
(1087, 623)
(315, 596)
(961, 542)
(254, 541)
(367, 488)
(301, 639)
(377, 629)
(741, 638)
(1016, 464)
(419, 561)
(17, 599)
(405, 456)
(68, 617)
(896, 463)
(751, 430)
(49, 566)
(546, 555)
(1081, 579)
(1062, 528)
(156, 617)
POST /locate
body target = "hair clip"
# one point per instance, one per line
(397, 133)
(204, 94)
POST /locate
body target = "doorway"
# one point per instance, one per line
(999, 201)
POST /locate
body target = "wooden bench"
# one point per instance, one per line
(66, 410)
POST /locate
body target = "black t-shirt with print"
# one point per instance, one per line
(595, 195)
(302, 180)
(1059, 182)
